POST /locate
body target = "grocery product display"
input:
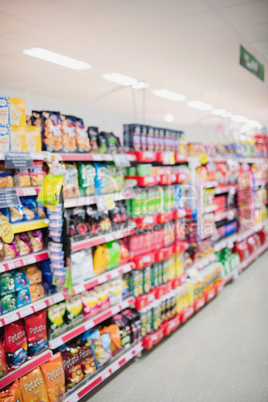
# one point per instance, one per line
(102, 257)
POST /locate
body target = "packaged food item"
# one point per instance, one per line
(51, 123)
(21, 281)
(124, 327)
(86, 178)
(90, 302)
(4, 215)
(72, 367)
(55, 316)
(103, 294)
(4, 140)
(93, 135)
(34, 274)
(3, 364)
(5, 176)
(23, 297)
(36, 240)
(101, 141)
(30, 208)
(17, 111)
(4, 111)
(33, 139)
(37, 292)
(17, 139)
(114, 334)
(102, 179)
(70, 181)
(37, 174)
(74, 307)
(101, 347)
(15, 344)
(82, 266)
(10, 250)
(22, 178)
(53, 373)
(33, 387)
(40, 210)
(86, 359)
(100, 259)
(82, 140)
(68, 126)
(8, 303)
(12, 394)
(23, 244)
(7, 283)
(16, 213)
(36, 331)
(135, 323)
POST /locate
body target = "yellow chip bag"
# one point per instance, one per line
(33, 387)
(53, 372)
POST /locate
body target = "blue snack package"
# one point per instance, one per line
(21, 280)
(40, 210)
(29, 208)
(101, 178)
(4, 215)
(23, 298)
(17, 214)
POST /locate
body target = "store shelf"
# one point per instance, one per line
(187, 313)
(159, 291)
(209, 184)
(103, 374)
(25, 368)
(94, 241)
(29, 225)
(27, 191)
(253, 257)
(36, 156)
(226, 242)
(218, 216)
(20, 262)
(73, 157)
(90, 323)
(225, 189)
(89, 200)
(243, 235)
(199, 303)
(203, 262)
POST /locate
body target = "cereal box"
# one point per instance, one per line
(33, 139)
(18, 139)
(17, 112)
(4, 138)
(4, 111)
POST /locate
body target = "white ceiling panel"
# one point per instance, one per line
(228, 3)
(207, 22)
(254, 33)
(9, 23)
(33, 11)
(247, 14)
(34, 37)
(262, 46)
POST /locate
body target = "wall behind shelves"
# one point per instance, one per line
(112, 121)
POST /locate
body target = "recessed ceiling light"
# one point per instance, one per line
(173, 96)
(56, 58)
(239, 119)
(140, 85)
(169, 118)
(120, 79)
(199, 105)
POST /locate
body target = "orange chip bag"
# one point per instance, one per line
(13, 394)
(53, 372)
(37, 292)
(34, 274)
(33, 387)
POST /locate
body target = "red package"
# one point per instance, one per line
(3, 364)
(36, 330)
(242, 249)
(262, 235)
(15, 344)
(251, 244)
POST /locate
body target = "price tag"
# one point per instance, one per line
(121, 160)
(18, 160)
(6, 232)
(9, 198)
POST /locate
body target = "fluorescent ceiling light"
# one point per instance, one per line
(56, 58)
(140, 85)
(199, 105)
(218, 112)
(169, 118)
(239, 119)
(254, 123)
(120, 79)
(173, 96)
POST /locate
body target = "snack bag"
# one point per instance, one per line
(12, 394)
(113, 248)
(33, 139)
(53, 373)
(37, 292)
(82, 140)
(36, 331)
(21, 281)
(10, 250)
(92, 135)
(90, 302)
(55, 315)
(34, 274)
(36, 240)
(23, 297)
(101, 347)
(4, 215)
(7, 283)
(15, 344)
(3, 364)
(17, 111)
(8, 303)
(86, 359)
(86, 178)
(33, 387)
(52, 131)
(16, 214)
(5, 178)
(101, 259)
(72, 367)
(70, 181)
(114, 334)
(102, 179)
(37, 174)
(22, 178)
(74, 308)
(40, 210)
(23, 244)
(68, 125)
(30, 208)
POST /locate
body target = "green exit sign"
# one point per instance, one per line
(250, 62)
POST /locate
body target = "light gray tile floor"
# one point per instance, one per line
(220, 355)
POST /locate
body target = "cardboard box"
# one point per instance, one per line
(18, 139)
(4, 138)
(4, 111)
(17, 112)
(33, 139)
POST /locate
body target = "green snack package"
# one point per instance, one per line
(74, 309)
(55, 319)
(86, 178)
(7, 283)
(8, 303)
(113, 248)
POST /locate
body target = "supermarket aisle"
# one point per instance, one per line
(221, 354)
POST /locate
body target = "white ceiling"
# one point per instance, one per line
(190, 47)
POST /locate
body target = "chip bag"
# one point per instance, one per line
(36, 331)
(53, 373)
(3, 364)
(33, 387)
(12, 394)
(15, 344)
